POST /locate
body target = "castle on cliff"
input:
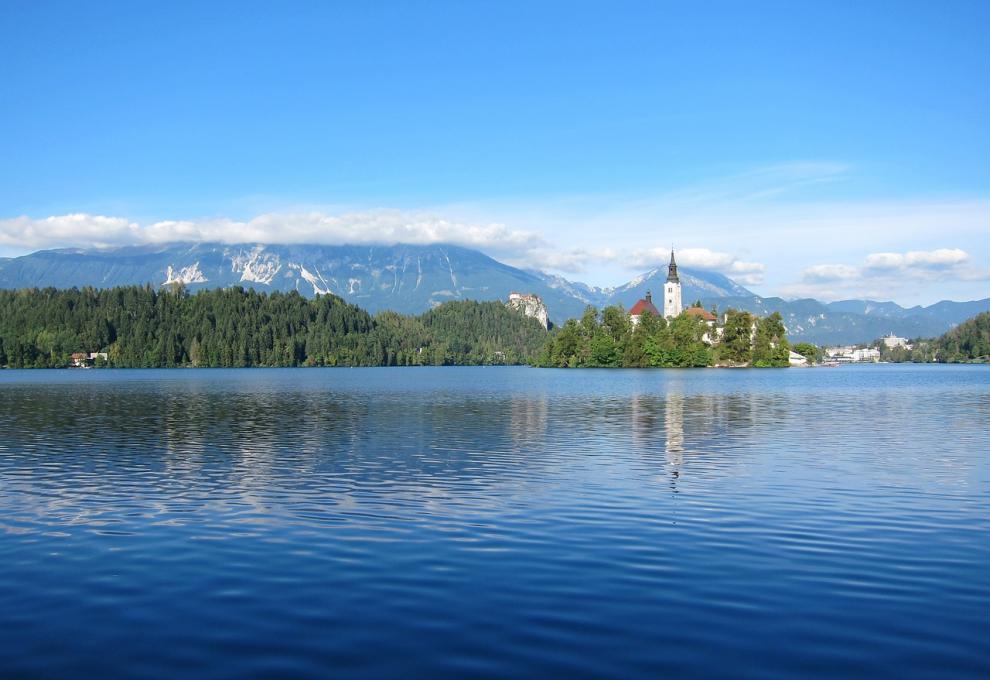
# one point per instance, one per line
(531, 305)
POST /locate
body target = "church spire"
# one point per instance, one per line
(672, 269)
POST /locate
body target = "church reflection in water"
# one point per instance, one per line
(710, 427)
(673, 422)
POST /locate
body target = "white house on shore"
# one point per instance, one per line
(850, 354)
(891, 341)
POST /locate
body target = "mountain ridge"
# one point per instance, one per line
(413, 278)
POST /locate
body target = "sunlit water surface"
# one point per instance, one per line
(495, 522)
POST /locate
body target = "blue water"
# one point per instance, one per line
(501, 522)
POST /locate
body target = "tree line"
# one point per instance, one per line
(143, 327)
(969, 342)
(608, 339)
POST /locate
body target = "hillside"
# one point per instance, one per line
(411, 279)
(968, 342)
(141, 327)
(408, 279)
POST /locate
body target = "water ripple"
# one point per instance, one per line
(495, 522)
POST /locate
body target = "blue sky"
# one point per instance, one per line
(795, 146)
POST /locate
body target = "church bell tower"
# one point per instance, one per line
(672, 291)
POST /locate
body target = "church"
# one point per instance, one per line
(671, 297)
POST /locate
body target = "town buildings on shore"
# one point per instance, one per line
(848, 354)
(851, 354)
(891, 341)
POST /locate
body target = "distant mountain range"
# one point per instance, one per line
(411, 279)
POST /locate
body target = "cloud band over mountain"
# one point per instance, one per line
(519, 247)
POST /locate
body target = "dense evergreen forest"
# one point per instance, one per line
(141, 327)
(967, 342)
(609, 339)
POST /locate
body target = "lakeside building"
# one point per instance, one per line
(891, 341)
(86, 359)
(851, 354)
(714, 330)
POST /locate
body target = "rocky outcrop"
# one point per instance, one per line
(530, 305)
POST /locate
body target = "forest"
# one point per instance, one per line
(967, 342)
(609, 340)
(141, 327)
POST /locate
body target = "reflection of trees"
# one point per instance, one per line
(266, 447)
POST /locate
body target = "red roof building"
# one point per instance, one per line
(702, 312)
(644, 306)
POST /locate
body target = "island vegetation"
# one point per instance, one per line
(609, 339)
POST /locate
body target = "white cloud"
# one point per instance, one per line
(380, 226)
(520, 247)
(885, 274)
(829, 272)
(545, 257)
(76, 229)
(750, 273)
(930, 259)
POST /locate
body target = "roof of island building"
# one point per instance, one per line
(644, 305)
(700, 311)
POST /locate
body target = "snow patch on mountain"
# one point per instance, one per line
(185, 275)
(637, 280)
(453, 276)
(320, 285)
(256, 265)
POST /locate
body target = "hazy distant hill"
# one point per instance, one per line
(833, 324)
(411, 279)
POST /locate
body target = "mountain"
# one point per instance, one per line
(889, 310)
(840, 323)
(406, 278)
(412, 279)
(695, 285)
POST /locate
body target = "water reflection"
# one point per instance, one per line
(494, 523)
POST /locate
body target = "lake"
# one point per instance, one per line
(496, 522)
